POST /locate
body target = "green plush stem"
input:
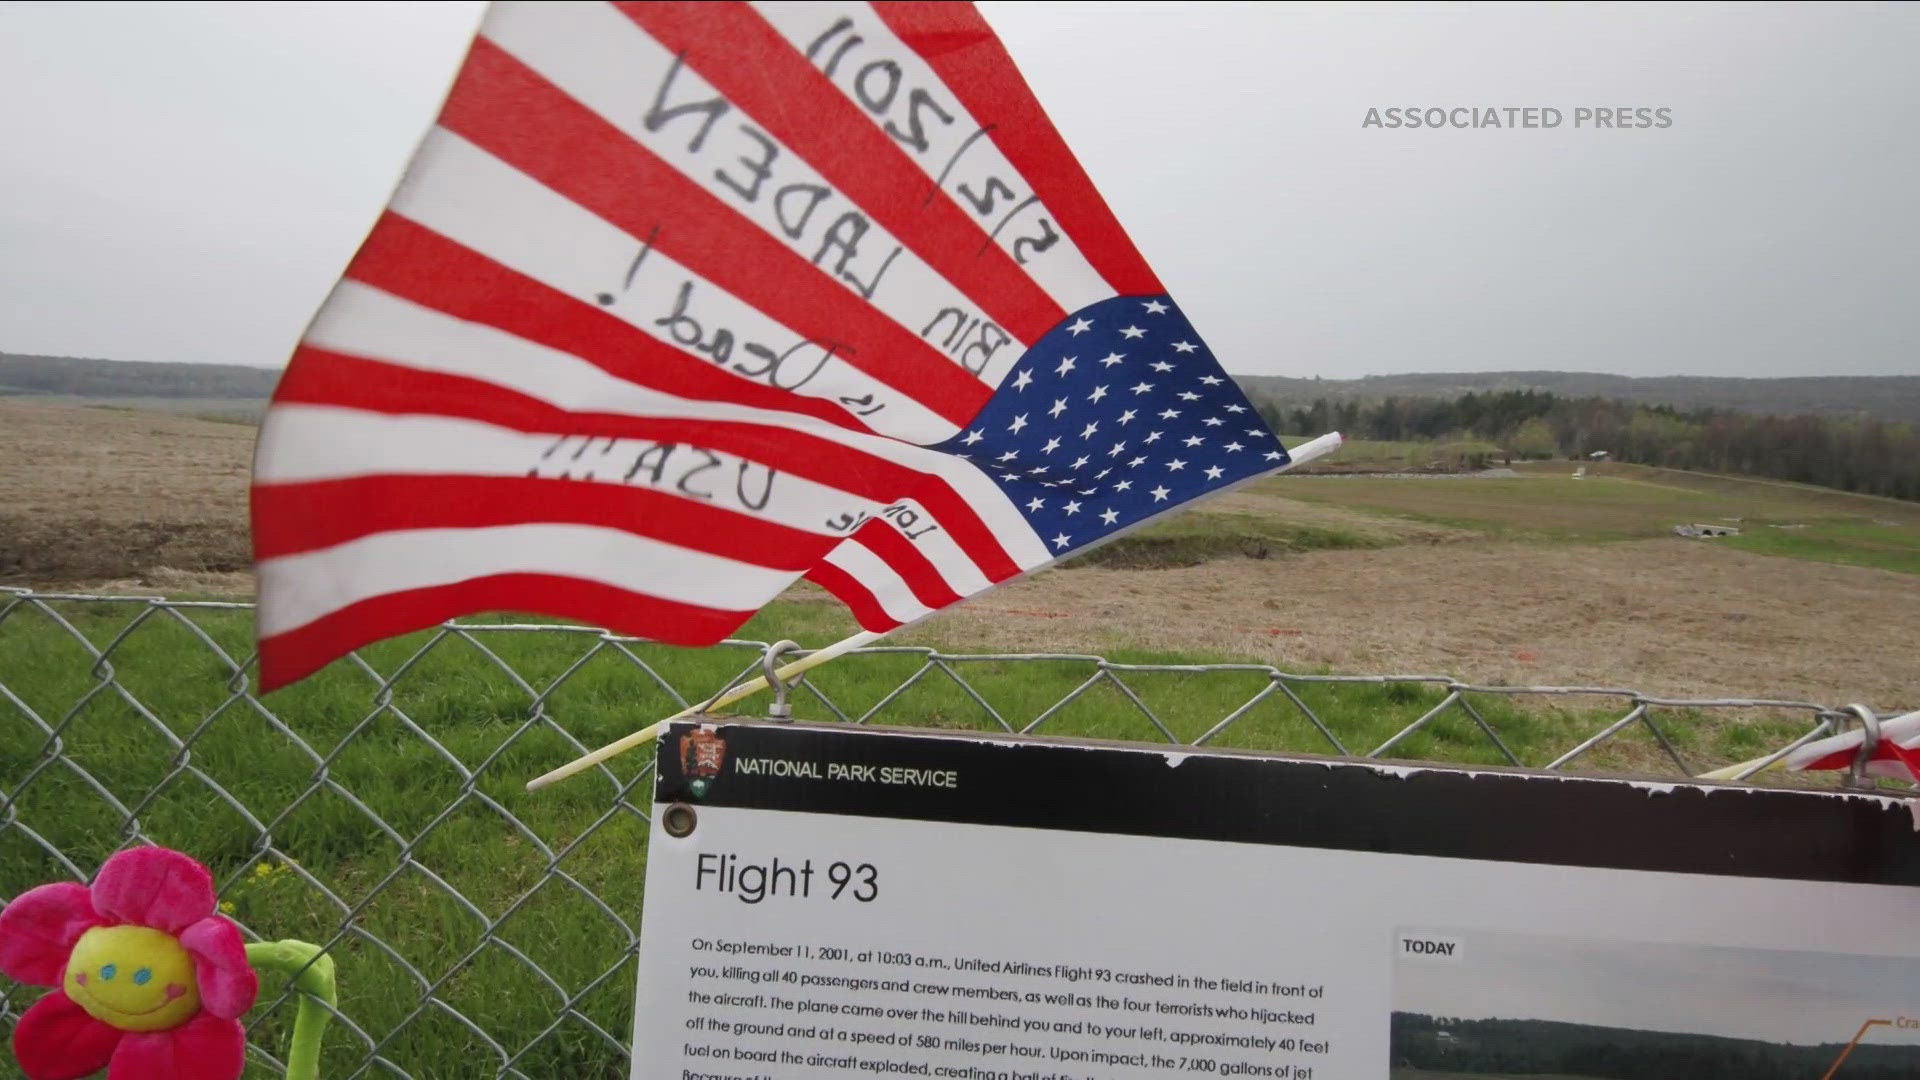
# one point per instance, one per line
(312, 973)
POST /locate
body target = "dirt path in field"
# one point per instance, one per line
(1671, 617)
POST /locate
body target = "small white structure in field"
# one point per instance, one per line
(1698, 531)
(1580, 473)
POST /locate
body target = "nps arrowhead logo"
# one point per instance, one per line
(703, 753)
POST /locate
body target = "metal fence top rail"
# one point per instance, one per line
(1824, 719)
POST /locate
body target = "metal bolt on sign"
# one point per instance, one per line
(679, 820)
(781, 709)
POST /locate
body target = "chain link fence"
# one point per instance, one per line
(378, 809)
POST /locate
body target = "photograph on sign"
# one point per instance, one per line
(1491, 1004)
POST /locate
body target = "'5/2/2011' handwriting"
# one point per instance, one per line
(778, 190)
(875, 82)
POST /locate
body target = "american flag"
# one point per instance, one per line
(681, 302)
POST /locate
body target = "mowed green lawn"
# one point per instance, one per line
(1387, 455)
(1625, 502)
(414, 818)
(1542, 505)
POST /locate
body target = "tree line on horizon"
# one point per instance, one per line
(21, 374)
(1848, 452)
(1859, 454)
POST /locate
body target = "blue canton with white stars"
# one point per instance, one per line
(1118, 414)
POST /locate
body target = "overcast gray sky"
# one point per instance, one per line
(1798, 997)
(185, 181)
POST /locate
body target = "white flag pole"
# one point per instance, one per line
(1732, 772)
(1299, 455)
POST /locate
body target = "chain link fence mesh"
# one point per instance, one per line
(378, 809)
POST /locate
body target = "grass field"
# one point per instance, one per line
(1531, 580)
(1613, 502)
(1381, 455)
(1850, 543)
(1623, 503)
(411, 810)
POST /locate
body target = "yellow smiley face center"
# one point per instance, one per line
(134, 978)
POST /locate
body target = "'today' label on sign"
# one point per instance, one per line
(1429, 946)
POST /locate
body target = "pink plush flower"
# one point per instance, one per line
(149, 981)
